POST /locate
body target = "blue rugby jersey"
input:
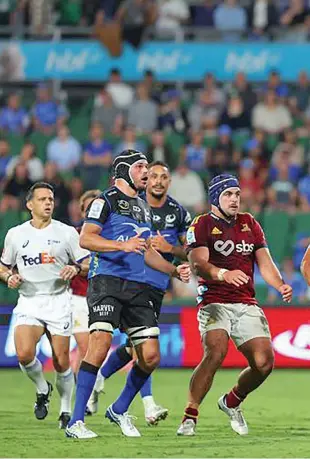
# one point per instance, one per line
(120, 217)
(172, 220)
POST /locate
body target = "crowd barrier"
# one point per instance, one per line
(83, 60)
(180, 340)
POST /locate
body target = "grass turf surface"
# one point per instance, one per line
(277, 414)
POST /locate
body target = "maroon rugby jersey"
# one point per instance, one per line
(231, 246)
(79, 284)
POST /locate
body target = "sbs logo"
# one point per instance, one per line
(227, 247)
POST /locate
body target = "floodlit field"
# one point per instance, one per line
(278, 415)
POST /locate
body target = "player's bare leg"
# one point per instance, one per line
(215, 349)
(64, 376)
(98, 346)
(26, 338)
(82, 344)
(148, 354)
(260, 356)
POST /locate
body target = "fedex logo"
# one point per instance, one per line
(227, 247)
(42, 259)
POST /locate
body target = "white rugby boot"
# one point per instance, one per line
(124, 421)
(80, 431)
(187, 428)
(237, 421)
(155, 414)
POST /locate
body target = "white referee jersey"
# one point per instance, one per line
(40, 255)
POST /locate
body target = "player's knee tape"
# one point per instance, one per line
(101, 326)
(139, 335)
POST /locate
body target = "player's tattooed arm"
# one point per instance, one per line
(5, 273)
(200, 265)
(10, 277)
(305, 266)
(271, 274)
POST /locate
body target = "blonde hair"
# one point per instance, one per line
(88, 195)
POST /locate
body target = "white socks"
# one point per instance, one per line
(65, 385)
(99, 384)
(148, 402)
(34, 371)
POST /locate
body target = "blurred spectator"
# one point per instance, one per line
(122, 94)
(97, 157)
(89, 10)
(108, 33)
(70, 12)
(62, 192)
(187, 187)
(106, 113)
(64, 150)
(275, 84)
(143, 111)
(235, 116)
(270, 115)
(15, 189)
(252, 187)
(76, 187)
(154, 87)
(255, 152)
(282, 194)
(159, 151)
(135, 15)
(244, 89)
(294, 170)
(129, 141)
(7, 9)
(262, 14)
(5, 158)
(203, 15)
(41, 15)
(46, 112)
(14, 118)
(221, 162)
(230, 17)
(295, 14)
(172, 116)
(294, 279)
(302, 91)
(205, 113)
(171, 15)
(224, 141)
(300, 247)
(28, 157)
(296, 152)
(304, 192)
(216, 94)
(195, 155)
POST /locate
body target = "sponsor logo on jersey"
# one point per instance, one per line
(103, 309)
(216, 231)
(52, 241)
(25, 244)
(96, 208)
(138, 230)
(226, 248)
(245, 228)
(156, 218)
(190, 235)
(170, 218)
(136, 209)
(43, 258)
(122, 204)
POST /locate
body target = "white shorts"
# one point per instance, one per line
(79, 314)
(241, 321)
(52, 312)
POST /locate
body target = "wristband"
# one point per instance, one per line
(220, 274)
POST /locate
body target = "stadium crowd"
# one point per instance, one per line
(253, 19)
(259, 132)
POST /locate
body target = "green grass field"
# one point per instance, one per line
(278, 415)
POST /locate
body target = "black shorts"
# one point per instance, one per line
(119, 302)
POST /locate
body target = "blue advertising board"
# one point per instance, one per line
(89, 61)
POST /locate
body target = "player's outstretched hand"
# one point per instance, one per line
(184, 273)
(14, 281)
(286, 292)
(135, 244)
(235, 277)
(68, 272)
(160, 244)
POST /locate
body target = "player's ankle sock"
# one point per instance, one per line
(148, 402)
(233, 399)
(135, 380)
(146, 389)
(116, 360)
(190, 413)
(85, 384)
(65, 386)
(34, 371)
(99, 384)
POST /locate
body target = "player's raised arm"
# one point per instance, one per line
(271, 274)
(305, 266)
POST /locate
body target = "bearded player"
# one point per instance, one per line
(223, 246)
